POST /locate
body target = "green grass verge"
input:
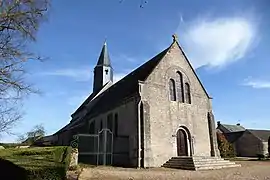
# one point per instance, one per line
(40, 162)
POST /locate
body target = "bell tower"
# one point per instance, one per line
(103, 72)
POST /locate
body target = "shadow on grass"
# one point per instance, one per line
(11, 171)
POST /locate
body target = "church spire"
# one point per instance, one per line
(104, 59)
(103, 72)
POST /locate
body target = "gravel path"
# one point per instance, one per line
(249, 170)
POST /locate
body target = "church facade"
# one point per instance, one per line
(161, 109)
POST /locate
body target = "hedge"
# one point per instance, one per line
(46, 163)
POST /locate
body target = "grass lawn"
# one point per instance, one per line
(38, 162)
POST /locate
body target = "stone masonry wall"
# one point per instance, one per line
(163, 117)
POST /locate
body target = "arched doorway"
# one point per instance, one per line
(182, 143)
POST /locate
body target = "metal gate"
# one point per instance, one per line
(95, 149)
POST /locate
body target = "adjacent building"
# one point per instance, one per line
(247, 142)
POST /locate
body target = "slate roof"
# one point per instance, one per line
(261, 134)
(233, 128)
(104, 58)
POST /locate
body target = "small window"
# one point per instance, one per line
(116, 124)
(106, 71)
(180, 87)
(188, 95)
(172, 90)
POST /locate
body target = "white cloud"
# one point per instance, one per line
(256, 83)
(55, 93)
(78, 74)
(83, 74)
(125, 58)
(217, 42)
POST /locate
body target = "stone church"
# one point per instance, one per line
(159, 114)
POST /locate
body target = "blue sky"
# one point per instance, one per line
(226, 42)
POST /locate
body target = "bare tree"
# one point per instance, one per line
(19, 23)
(36, 132)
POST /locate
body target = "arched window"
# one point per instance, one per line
(101, 125)
(187, 95)
(110, 122)
(180, 87)
(172, 90)
(116, 124)
(92, 128)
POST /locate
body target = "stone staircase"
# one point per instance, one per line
(199, 163)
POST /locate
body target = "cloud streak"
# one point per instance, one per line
(82, 74)
(77, 100)
(256, 83)
(125, 58)
(78, 74)
(218, 42)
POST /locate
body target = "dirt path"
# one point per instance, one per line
(249, 170)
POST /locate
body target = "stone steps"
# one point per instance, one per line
(198, 163)
(202, 164)
(218, 167)
(202, 168)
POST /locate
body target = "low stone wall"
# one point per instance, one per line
(74, 158)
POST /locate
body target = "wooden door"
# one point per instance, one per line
(182, 148)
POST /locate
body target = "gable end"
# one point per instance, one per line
(185, 57)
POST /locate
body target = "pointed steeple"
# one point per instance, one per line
(103, 72)
(104, 59)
